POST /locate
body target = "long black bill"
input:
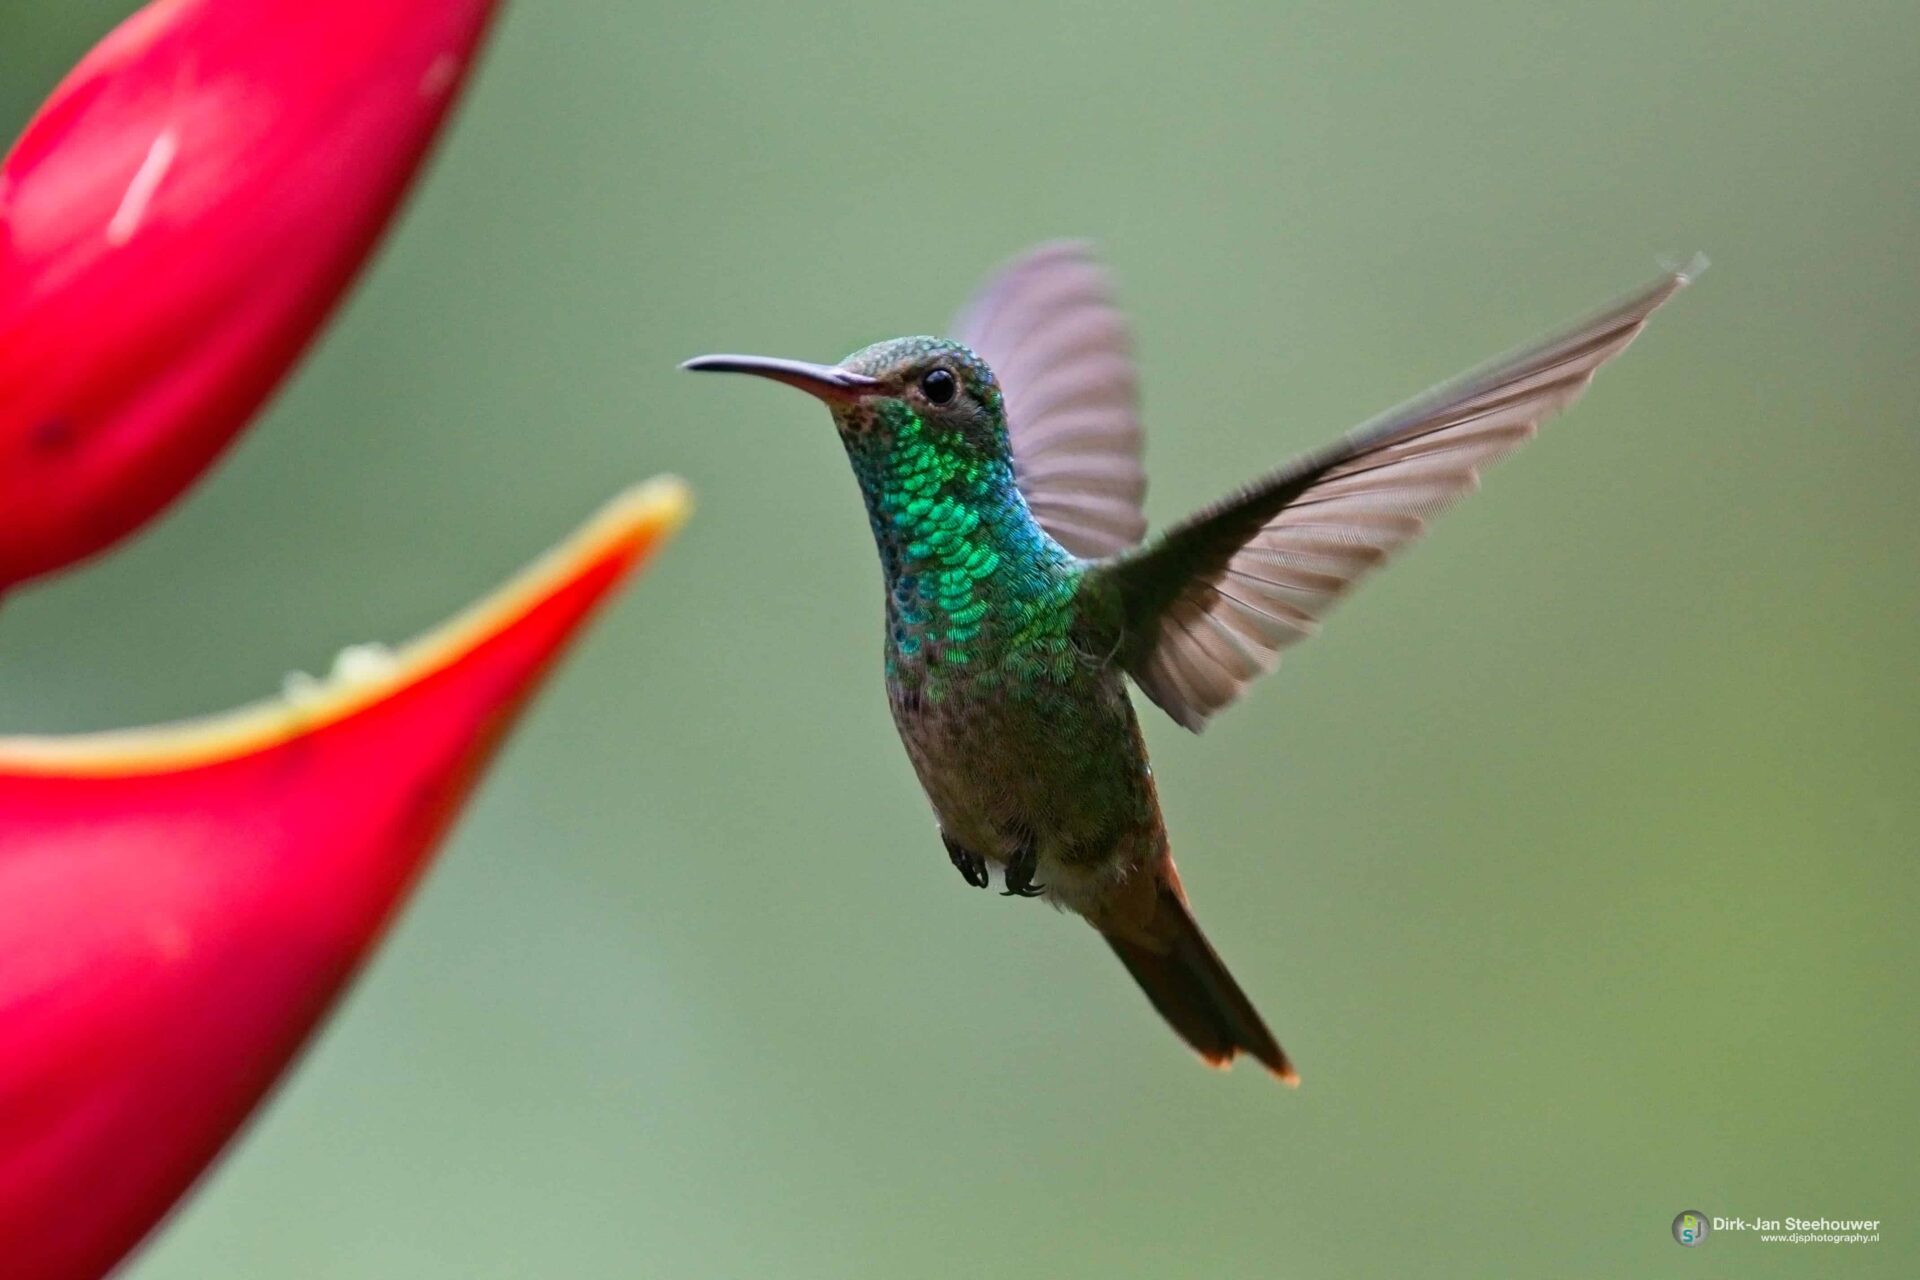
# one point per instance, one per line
(829, 382)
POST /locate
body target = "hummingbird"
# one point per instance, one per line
(1001, 472)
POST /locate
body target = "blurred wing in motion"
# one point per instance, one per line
(1209, 606)
(1048, 328)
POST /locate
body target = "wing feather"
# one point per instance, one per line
(1046, 324)
(1210, 605)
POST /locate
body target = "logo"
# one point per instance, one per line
(1690, 1227)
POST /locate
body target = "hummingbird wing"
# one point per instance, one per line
(1047, 326)
(1208, 607)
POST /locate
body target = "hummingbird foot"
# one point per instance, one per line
(1020, 872)
(973, 867)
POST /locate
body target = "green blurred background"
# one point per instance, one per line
(1574, 863)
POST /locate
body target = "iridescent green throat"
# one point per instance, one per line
(978, 596)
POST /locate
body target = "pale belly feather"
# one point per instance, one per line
(1061, 766)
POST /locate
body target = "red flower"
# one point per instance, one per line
(180, 906)
(175, 226)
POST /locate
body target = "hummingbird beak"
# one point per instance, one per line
(828, 382)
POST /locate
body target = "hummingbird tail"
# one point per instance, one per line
(1187, 982)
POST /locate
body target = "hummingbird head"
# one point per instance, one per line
(931, 387)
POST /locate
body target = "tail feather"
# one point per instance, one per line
(1188, 983)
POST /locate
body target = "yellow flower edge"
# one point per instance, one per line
(632, 523)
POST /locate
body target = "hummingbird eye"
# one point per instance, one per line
(938, 385)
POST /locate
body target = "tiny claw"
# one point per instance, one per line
(972, 867)
(1019, 875)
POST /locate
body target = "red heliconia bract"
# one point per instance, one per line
(180, 906)
(176, 224)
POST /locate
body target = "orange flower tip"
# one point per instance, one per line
(620, 534)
